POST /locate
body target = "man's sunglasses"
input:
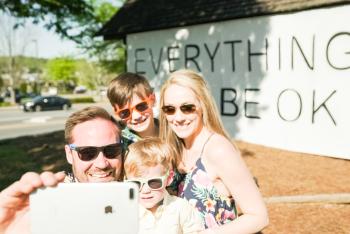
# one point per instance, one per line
(88, 153)
(154, 183)
(185, 108)
(144, 105)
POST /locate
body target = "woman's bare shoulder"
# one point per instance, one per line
(220, 147)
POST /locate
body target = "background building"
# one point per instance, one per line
(279, 70)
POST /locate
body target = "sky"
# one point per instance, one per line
(40, 42)
(35, 41)
(47, 44)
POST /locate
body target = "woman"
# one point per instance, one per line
(217, 178)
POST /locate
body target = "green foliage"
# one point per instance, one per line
(70, 19)
(104, 11)
(92, 75)
(33, 65)
(82, 100)
(61, 69)
(86, 74)
(23, 88)
(77, 20)
(3, 104)
(110, 54)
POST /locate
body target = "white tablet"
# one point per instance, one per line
(85, 208)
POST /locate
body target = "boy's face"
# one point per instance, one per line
(151, 198)
(140, 121)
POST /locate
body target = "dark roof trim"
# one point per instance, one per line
(149, 15)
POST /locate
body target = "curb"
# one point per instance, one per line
(340, 198)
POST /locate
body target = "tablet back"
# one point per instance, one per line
(85, 208)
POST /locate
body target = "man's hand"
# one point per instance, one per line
(14, 200)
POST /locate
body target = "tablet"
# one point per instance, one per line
(85, 208)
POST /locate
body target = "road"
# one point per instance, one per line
(14, 122)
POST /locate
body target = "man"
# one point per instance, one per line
(93, 149)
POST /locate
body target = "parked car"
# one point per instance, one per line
(23, 98)
(80, 89)
(40, 103)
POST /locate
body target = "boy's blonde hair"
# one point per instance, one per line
(148, 152)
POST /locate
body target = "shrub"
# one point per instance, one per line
(82, 100)
(5, 104)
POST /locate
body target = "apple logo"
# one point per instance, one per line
(108, 209)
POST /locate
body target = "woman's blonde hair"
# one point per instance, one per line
(211, 118)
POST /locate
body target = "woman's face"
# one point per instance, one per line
(185, 121)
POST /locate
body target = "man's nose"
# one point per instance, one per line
(101, 161)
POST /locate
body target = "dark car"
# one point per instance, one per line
(40, 103)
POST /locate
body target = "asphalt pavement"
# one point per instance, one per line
(14, 122)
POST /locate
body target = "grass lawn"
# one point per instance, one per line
(31, 153)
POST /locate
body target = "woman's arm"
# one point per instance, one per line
(14, 200)
(226, 163)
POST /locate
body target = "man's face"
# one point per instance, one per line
(97, 132)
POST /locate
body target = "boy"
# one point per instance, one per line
(132, 99)
(149, 164)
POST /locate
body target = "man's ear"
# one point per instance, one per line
(170, 177)
(69, 155)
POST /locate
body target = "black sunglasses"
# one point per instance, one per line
(88, 153)
(185, 108)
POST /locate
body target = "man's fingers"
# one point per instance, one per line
(30, 181)
(60, 176)
(51, 179)
(27, 184)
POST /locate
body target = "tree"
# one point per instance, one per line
(13, 42)
(92, 75)
(78, 20)
(110, 54)
(1, 83)
(62, 72)
(67, 18)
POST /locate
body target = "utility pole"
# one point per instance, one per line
(35, 41)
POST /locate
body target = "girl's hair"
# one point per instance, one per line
(211, 118)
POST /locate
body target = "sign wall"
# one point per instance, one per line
(281, 81)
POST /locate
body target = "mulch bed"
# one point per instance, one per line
(285, 173)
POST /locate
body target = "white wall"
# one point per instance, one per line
(281, 81)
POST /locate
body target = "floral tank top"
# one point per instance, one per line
(199, 190)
